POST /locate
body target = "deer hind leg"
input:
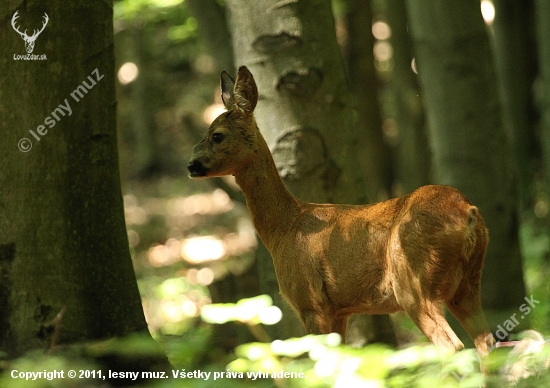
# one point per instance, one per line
(465, 305)
(414, 295)
(428, 316)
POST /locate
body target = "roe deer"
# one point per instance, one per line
(410, 253)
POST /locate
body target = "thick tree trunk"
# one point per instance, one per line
(63, 242)
(516, 64)
(467, 136)
(303, 109)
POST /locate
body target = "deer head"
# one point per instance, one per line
(29, 40)
(230, 142)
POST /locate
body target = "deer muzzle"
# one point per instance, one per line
(196, 169)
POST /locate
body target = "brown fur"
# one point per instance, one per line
(410, 253)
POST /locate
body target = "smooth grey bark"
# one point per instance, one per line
(303, 110)
(516, 64)
(63, 242)
(470, 149)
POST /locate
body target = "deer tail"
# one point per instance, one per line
(470, 237)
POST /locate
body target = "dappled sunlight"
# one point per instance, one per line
(189, 308)
(176, 301)
(200, 249)
(390, 128)
(165, 3)
(381, 30)
(212, 112)
(326, 365)
(270, 315)
(415, 355)
(259, 309)
(160, 255)
(203, 276)
(133, 238)
(413, 66)
(127, 73)
(382, 50)
(195, 254)
(172, 312)
(488, 11)
(134, 214)
(216, 202)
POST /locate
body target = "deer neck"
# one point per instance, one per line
(271, 205)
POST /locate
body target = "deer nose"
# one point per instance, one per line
(196, 168)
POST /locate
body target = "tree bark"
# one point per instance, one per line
(412, 154)
(213, 31)
(467, 136)
(543, 34)
(303, 109)
(375, 155)
(146, 156)
(63, 242)
(516, 64)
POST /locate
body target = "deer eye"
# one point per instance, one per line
(218, 137)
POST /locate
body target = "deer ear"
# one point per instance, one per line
(227, 86)
(246, 92)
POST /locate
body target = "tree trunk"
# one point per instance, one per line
(412, 154)
(213, 31)
(146, 155)
(375, 154)
(63, 242)
(303, 109)
(467, 136)
(543, 32)
(515, 59)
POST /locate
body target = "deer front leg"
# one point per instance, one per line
(339, 325)
(316, 322)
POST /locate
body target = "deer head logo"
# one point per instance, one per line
(29, 40)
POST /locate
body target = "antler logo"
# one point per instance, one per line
(29, 40)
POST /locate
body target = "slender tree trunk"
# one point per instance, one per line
(146, 155)
(303, 110)
(412, 154)
(467, 136)
(516, 64)
(543, 32)
(63, 242)
(375, 155)
(213, 31)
